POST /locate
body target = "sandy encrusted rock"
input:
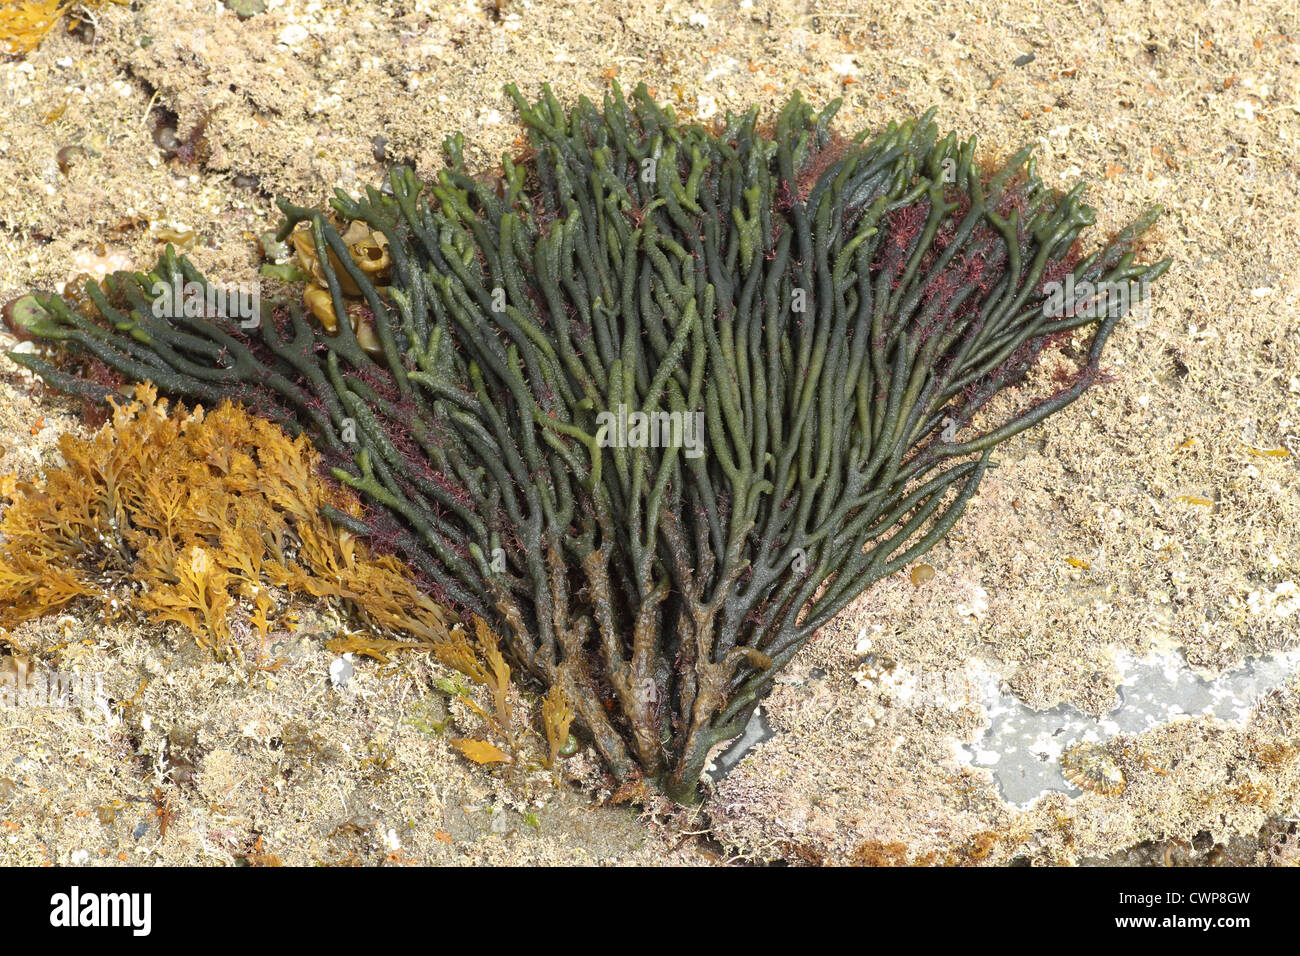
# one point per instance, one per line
(1160, 512)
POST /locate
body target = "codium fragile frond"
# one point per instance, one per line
(657, 400)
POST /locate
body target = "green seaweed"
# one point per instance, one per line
(839, 314)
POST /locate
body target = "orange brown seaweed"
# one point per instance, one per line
(190, 517)
(211, 520)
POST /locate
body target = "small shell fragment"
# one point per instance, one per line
(1090, 767)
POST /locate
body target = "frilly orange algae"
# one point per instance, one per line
(213, 519)
(195, 517)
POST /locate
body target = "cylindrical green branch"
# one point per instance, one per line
(663, 398)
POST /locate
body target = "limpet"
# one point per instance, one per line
(1090, 767)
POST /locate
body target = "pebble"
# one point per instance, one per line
(292, 35)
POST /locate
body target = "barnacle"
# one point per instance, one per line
(814, 327)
